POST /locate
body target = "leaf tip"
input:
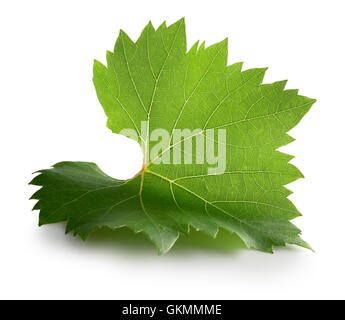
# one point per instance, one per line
(182, 20)
(122, 33)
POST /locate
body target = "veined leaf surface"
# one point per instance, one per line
(155, 81)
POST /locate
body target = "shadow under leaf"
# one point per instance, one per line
(195, 240)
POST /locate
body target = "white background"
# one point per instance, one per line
(50, 113)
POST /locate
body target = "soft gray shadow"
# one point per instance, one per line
(227, 247)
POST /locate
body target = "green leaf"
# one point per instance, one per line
(156, 80)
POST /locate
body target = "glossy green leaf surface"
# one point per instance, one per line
(156, 80)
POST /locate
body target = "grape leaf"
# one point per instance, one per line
(156, 80)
